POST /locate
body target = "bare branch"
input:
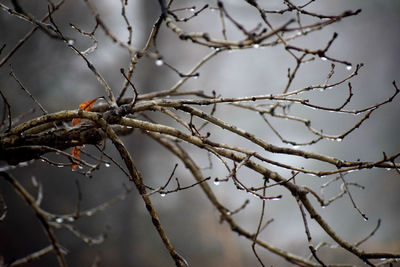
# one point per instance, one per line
(192, 120)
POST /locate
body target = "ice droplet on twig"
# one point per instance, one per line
(159, 62)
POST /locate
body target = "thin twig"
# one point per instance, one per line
(253, 245)
(43, 219)
(27, 91)
(351, 198)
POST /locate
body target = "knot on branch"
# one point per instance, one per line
(113, 116)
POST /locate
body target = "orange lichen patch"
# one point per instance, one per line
(86, 106)
(75, 152)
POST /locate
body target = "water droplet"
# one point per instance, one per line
(107, 164)
(71, 219)
(323, 207)
(80, 167)
(256, 46)
(163, 194)
(59, 220)
(71, 42)
(339, 139)
(388, 169)
(86, 240)
(89, 213)
(192, 9)
(298, 33)
(60, 166)
(229, 213)
(276, 198)
(42, 160)
(217, 48)
(324, 58)
(329, 88)
(348, 67)
(159, 62)
(216, 181)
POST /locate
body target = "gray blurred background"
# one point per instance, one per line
(61, 80)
